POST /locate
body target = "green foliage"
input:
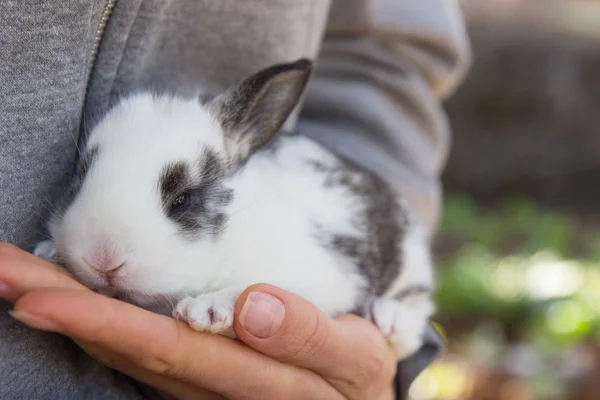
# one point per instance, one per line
(464, 287)
(514, 266)
(518, 220)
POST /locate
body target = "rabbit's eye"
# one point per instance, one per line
(179, 201)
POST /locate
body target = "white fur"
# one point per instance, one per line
(270, 233)
(402, 323)
(416, 262)
(270, 230)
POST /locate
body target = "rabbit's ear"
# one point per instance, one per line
(254, 110)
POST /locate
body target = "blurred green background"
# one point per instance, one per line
(518, 252)
(519, 302)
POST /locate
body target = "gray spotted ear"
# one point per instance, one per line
(254, 110)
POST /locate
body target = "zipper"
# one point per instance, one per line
(108, 8)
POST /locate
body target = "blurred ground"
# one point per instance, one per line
(518, 252)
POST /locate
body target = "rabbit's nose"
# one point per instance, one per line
(104, 258)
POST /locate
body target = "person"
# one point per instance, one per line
(383, 69)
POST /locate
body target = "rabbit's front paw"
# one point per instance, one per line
(210, 312)
(46, 250)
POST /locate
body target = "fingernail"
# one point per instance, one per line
(262, 314)
(34, 322)
(5, 290)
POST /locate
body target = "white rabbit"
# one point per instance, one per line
(186, 202)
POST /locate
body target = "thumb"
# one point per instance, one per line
(349, 352)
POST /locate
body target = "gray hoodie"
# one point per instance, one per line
(384, 66)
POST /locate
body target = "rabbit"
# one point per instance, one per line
(179, 204)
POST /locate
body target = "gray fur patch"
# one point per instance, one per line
(377, 253)
(206, 98)
(174, 179)
(85, 163)
(252, 112)
(195, 204)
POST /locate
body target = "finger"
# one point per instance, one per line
(21, 272)
(168, 387)
(349, 351)
(165, 347)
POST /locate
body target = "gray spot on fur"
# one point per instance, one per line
(206, 98)
(204, 197)
(377, 252)
(174, 179)
(85, 163)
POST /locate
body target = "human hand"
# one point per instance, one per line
(290, 349)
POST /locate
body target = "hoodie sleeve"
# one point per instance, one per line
(384, 69)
